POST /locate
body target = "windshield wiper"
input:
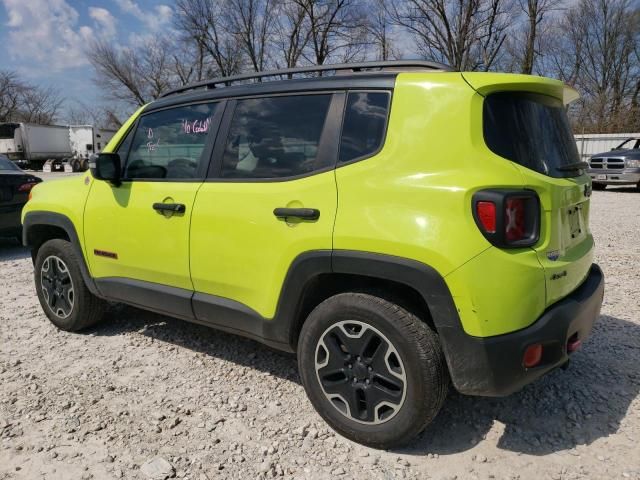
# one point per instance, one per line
(573, 166)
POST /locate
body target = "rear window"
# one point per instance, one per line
(532, 130)
(365, 119)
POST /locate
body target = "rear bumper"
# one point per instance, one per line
(493, 366)
(627, 176)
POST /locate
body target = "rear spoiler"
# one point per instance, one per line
(485, 83)
(569, 95)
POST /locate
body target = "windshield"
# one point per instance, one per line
(6, 164)
(7, 129)
(531, 130)
(630, 143)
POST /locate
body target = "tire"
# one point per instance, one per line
(599, 186)
(63, 295)
(394, 392)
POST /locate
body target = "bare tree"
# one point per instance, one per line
(204, 23)
(293, 33)
(21, 101)
(337, 29)
(379, 27)
(41, 105)
(596, 50)
(466, 34)
(136, 75)
(11, 91)
(102, 115)
(252, 22)
(536, 11)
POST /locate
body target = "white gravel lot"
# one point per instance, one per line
(101, 404)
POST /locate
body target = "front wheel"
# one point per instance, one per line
(372, 370)
(62, 293)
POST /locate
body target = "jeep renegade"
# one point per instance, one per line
(401, 226)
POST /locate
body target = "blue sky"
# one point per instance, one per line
(44, 40)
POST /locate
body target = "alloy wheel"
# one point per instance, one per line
(57, 286)
(360, 372)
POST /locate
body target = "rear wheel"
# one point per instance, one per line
(63, 295)
(598, 186)
(372, 370)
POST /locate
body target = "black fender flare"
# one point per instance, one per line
(37, 218)
(414, 274)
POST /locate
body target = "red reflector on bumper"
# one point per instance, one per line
(532, 355)
(573, 343)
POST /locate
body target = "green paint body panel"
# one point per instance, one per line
(412, 199)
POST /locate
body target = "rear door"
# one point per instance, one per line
(270, 196)
(135, 241)
(533, 131)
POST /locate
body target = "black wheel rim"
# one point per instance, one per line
(360, 372)
(57, 286)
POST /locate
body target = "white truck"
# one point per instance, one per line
(53, 147)
(85, 140)
(31, 145)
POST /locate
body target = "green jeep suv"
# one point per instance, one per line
(400, 226)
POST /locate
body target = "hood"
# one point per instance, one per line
(626, 153)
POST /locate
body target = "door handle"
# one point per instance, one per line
(306, 213)
(170, 207)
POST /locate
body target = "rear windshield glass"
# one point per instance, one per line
(531, 130)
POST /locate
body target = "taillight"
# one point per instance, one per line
(508, 218)
(515, 228)
(487, 215)
(26, 187)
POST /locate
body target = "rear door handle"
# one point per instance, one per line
(306, 213)
(170, 207)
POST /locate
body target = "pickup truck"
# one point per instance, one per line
(620, 166)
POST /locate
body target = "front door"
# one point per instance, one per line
(270, 197)
(137, 233)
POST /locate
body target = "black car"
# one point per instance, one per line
(15, 185)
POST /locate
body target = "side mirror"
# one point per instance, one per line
(106, 166)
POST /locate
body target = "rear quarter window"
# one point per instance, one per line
(365, 121)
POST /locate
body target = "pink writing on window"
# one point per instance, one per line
(196, 126)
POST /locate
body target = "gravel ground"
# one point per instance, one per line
(144, 393)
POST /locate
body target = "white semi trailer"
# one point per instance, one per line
(31, 145)
(34, 146)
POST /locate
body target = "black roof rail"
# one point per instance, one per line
(353, 67)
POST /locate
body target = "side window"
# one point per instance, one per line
(365, 119)
(275, 137)
(169, 143)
